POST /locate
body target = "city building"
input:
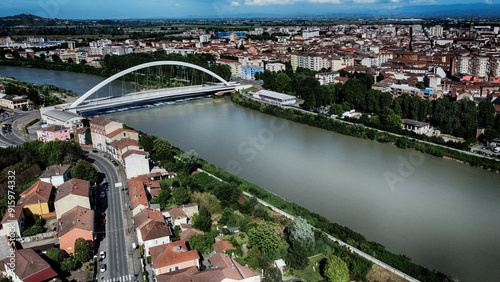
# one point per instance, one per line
(53, 133)
(76, 223)
(13, 222)
(14, 102)
(74, 192)
(56, 174)
(136, 163)
(51, 116)
(138, 197)
(173, 256)
(234, 65)
(275, 97)
(100, 128)
(416, 126)
(275, 67)
(37, 199)
(28, 266)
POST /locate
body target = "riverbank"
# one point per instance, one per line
(361, 131)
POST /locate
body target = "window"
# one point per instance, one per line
(176, 268)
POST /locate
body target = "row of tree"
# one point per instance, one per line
(458, 118)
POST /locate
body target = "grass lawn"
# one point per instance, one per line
(308, 274)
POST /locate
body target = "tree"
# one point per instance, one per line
(297, 255)
(300, 230)
(85, 171)
(88, 137)
(253, 257)
(82, 250)
(336, 269)
(162, 198)
(181, 195)
(162, 150)
(486, 114)
(264, 236)
(190, 158)
(202, 220)
(272, 274)
(198, 242)
(389, 117)
(336, 109)
(69, 264)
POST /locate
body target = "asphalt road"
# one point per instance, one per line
(114, 241)
(13, 138)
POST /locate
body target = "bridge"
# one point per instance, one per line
(88, 104)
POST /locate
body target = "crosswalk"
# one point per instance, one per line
(124, 278)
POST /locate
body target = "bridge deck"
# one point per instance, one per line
(149, 96)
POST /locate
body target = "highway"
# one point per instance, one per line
(114, 242)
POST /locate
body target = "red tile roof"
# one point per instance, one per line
(147, 215)
(154, 230)
(223, 268)
(131, 152)
(55, 170)
(30, 267)
(137, 193)
(16, 213)
(222, 246)
(38, 193)
(176, 213)
(124, 143)
(77, 217)
(73, 186)
(120, 130)
(186, 234)
(102, 121)
(55, 128)
(172, 253)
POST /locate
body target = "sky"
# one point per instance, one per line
(133, 9)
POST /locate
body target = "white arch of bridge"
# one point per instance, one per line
(138, 67)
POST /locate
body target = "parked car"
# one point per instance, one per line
(103, 267)
(103, 194)
(102, 255)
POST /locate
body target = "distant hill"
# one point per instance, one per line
(29, 20)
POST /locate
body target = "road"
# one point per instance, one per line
(15, 118)
(114, 242)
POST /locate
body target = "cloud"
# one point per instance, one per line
(325, 1)
(364, 1)
(489, 2)
(178, 5)
(268, 2)
(285, 2)
(423, 2)
(235, 4)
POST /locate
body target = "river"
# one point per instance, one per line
(441, 213)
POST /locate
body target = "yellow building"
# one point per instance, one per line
(38, 199)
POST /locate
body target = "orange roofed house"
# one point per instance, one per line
(173, 256)
(138, 197)
(38, 199)
(224, 269)
(151, 228)
(76, 223)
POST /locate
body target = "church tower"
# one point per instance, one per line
(471, 27)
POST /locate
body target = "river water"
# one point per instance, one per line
(441, 213)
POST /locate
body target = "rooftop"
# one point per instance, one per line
(77, 217)
(73, 186)
(171, 253)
